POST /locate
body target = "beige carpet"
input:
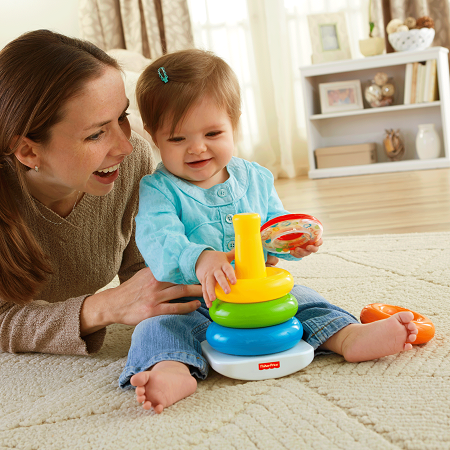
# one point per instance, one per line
(398, 402)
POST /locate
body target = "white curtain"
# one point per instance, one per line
(279, 134)
(266, 42)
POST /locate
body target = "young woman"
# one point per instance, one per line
(69, 174)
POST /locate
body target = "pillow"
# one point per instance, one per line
(129, 60)
(133, 64)
(137, 125)
(130, 80)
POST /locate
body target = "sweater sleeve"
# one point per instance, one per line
(160, 237)
(46, 327)
(132, 260)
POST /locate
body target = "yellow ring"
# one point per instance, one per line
(277, 283)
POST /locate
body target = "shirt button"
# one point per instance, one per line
(230, 245)
(229, 218)
(221, 192)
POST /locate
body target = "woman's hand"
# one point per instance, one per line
(139, 298)
(301, 253)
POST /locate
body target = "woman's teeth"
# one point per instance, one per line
(109, 169)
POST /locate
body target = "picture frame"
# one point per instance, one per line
(329, 37)
(340, 96)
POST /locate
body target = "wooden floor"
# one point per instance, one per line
(402, 202)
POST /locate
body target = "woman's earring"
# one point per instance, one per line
(36, 168)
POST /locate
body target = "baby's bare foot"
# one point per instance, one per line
(364, 342)
(165, 384)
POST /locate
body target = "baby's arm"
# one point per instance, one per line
(214, 267)
(276, 209)
(161, 238)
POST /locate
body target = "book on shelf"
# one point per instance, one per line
(421, 82)
(408, 83)
(421, 90)
(414, 82)
(432, 89)
(427, 81)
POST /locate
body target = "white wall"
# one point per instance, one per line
(20, 16)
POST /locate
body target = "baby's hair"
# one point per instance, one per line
(191, 75)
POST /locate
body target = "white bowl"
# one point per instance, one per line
(417, 39)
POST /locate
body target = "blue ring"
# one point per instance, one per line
(255, 341)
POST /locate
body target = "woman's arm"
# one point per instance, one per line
(46, 327)
(77, 326)
(139, 298)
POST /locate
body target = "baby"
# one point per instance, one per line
(190, 105)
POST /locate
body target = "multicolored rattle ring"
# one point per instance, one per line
(285, 233)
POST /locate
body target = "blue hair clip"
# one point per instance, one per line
(163, 75)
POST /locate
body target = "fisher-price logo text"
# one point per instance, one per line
(269, 365)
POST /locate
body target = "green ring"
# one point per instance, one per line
(254, 315)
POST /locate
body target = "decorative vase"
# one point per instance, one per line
(372, 46)
(428, 144)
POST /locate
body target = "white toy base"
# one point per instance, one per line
(261, 367)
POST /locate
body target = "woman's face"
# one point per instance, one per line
(86, 148)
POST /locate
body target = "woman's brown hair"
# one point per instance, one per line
(191, 74)
(39, 72)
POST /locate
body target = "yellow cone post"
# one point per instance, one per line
(249, 257)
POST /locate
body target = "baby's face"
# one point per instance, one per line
(201, 146)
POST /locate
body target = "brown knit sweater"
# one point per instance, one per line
(92, 245)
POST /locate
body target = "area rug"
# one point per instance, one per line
(397, 402)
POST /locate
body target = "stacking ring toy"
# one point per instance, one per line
(254, 315)
(255, 341)
(285, 233)
(378, 311)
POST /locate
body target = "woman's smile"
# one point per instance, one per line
(108, 175)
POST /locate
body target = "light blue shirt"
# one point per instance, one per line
(178, 220)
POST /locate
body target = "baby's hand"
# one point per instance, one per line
(214, 267)
(301, 253)
(271, 261)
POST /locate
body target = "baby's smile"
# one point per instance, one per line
(199, 164)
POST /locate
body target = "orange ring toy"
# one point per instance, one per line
(378, 311)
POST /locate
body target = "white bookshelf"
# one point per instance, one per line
(369, 124)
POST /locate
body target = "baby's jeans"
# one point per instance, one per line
(178, 337)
